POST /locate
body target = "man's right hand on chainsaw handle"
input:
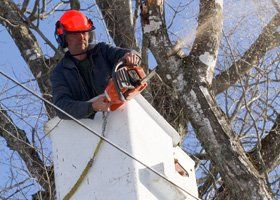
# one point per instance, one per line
(100, 103)
(131, 59)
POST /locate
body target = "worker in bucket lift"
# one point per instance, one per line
(85, 69)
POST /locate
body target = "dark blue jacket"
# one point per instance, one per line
(68, 88)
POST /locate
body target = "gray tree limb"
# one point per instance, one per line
(270, 153)
(17, 140)
(210, 124)
(226, 152)
(270, 149)
(118, 18)
(267, 40)
(161, 47)
(156, 37)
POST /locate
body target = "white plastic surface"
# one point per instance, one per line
(138, 129)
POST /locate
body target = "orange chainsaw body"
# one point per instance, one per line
(118, 96)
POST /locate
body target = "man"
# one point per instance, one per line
(84, 72)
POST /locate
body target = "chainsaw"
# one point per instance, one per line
(126, 83)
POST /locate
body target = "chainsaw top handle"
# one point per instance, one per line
(122, 62)
(119, 63)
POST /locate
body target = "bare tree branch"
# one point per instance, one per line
(209, 180)
(24, 6)
(29, 47)
(44, 4)
(266, 41)
(154, 29)
(75, 4)
(17, 141)
(33, 14)
(270, 149)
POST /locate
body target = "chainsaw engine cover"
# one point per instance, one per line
(124, 85)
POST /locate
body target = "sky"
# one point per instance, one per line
(184, 25)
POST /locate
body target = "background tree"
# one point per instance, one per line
(218, 85)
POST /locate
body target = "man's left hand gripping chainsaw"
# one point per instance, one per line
(126, 82)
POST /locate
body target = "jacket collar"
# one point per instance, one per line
(70, 62)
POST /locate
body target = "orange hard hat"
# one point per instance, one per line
(73, 21)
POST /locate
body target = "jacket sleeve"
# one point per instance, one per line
(114, 54)
(62, 97)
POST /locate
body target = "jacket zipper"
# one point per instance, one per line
(91, 64)
(82, 83)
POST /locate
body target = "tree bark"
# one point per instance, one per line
(17, 140)
(165, 98)
(18, 27)
(27, 44)
(270, 150)
(219, 141)
(118, 18)
(209, 122)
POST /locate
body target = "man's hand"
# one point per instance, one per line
(100, 103)
(131, 59)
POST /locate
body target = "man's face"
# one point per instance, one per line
(77, 42)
